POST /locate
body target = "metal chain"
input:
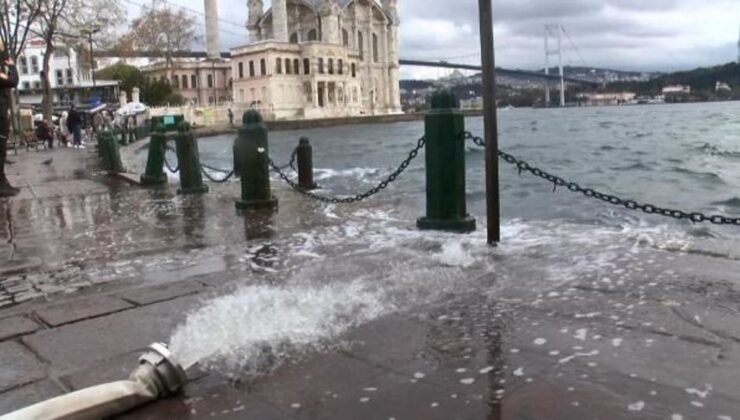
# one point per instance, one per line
(557, 181)
(215, 169)
(173, 169)
(229, 174)
(359, 197)
(291, 164)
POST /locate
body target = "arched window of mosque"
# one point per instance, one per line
(294, 38)
(340, 66)
(345, 38)
(194, 81)
(278, 66)
(287, 66)
(297, 66)
(306, 66)
(321, 66)
(354, 70)
(331, 66)
(251, 68)
(361, 45)
(184, 81)
(263, 67)
(312, 35)
(375, 48)
(241, 70)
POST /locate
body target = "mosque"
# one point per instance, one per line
(311, 59)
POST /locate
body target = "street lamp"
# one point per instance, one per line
(89, 33)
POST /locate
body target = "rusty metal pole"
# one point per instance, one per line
(490, 122)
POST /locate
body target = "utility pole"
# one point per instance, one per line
(89, 33)
(490, 122)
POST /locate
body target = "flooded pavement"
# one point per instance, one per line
(323, 311)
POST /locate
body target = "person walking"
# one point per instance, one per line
(8, 81)
(231, 117)
(74, 124)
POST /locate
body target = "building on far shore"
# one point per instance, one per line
(722, 86)
(605, 99)
(312, 59)
(201, 82)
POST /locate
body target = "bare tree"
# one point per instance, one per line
(163, 31)
(16, 20)
(64, 22)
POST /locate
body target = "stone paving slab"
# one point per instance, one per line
(27, 395)
(149, 295)
(74, 346)
(16, 325)
(109, 370)
(81, 309)
(18, 366)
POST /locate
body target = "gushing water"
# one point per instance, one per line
(259, 327)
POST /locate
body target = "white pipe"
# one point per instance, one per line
(157, 376)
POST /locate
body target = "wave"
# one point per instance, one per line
(698, 174)
(732, 202)
(640, 166)
(714, 150)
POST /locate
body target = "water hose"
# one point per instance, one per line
(158, 375)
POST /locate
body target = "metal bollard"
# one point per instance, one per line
(304, 154)
(154, 174)
(188, 158)
(251, 156)
(109, 153)
(444, 126)
(132, 135)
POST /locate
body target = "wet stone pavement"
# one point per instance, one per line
(559, 322)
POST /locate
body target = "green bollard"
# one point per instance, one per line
(110, 154)
(251, 155)
(132, 135)
(188, 158)
(154, 174)
(304, 155)
(444, 126)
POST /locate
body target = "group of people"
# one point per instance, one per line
(70, 128)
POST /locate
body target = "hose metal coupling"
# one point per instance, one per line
(170, 376)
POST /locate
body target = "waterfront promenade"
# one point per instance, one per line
(93, 270)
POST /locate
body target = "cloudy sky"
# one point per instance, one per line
(624, 34)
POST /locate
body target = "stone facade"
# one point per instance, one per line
(199, 82)
(319, 58)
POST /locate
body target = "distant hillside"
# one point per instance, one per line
(701, 80)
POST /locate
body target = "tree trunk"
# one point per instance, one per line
(15, 115)
(48, 98)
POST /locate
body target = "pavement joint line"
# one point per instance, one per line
(33, 316)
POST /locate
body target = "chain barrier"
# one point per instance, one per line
(170, 167)
(291, 164)
(557, 181)
(229, 174)
(359, 197)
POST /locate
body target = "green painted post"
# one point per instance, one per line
(111, 156)
(304, 155)
(188, 158)
(154, 174)
(251, 164)
(123, 139)
(132, 135)
(445, 167)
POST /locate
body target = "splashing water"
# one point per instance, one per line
(257, 328)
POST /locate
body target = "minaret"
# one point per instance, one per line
(391, 10)
(212, 39)
(256, 10)
(280, 20)
(329, 13)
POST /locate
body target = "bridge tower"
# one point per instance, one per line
(556, 32)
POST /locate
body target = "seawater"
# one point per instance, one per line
(369, 261)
